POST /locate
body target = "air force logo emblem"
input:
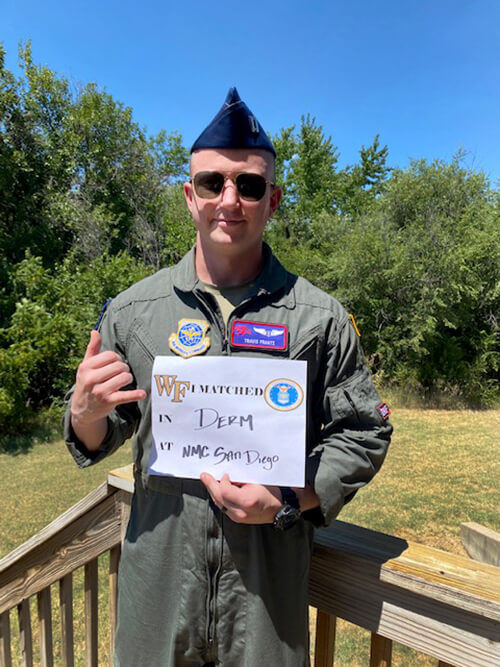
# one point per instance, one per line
(283, 394)
(190, 339)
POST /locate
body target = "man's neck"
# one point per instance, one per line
(227, 269)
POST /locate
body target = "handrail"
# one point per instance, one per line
(438, 603)
(76, 538)
(85, 531)
(442, 604)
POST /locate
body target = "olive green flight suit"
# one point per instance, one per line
(194, 586)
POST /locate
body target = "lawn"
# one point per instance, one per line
(442, 469)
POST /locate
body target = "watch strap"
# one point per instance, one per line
(289, 497)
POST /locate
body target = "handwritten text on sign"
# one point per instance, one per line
(241, 416)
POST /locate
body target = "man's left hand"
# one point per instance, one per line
(244, 503)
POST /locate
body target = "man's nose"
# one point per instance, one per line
(229, 194)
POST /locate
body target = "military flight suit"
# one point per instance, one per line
(194, 586)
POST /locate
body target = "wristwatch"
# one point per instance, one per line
(289, 514)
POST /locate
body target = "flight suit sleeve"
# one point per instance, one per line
(122, 422)
(355, 433)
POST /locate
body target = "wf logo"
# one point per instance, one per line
(169, 384)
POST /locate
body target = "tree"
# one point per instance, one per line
(77, 172)
(306, 171)
(364, 182)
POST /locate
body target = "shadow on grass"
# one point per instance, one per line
(23, 443)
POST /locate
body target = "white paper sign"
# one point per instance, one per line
(237, 415)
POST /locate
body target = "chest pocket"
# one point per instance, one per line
(308, 348)
(141, 351)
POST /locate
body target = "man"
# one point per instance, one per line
(213, 572)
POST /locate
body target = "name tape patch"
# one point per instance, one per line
(259, 335)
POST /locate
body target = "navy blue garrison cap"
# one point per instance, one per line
(234, 126)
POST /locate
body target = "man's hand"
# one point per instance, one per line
(244, 503)
(99, 379)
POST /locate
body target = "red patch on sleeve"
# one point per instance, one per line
(383, 410)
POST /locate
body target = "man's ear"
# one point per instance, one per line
(274, 202)
(188, 194)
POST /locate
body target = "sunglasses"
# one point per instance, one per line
(209, 184)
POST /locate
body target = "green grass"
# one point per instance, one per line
(36, 488)
(442, 469)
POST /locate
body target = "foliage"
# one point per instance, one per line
(76, 172)
(306, 170)
(420, 270)
(55, 311)
(89, 203)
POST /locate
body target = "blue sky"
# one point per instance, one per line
(424, 74)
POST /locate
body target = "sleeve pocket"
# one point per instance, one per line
(354, 401)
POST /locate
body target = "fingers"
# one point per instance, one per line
(109, 391)
(121, 397)
(224, 499)
(94, 345)
(100, 379)
(233, 495)
(245, 503)
(213, 488)
(116, 381)
(111, 371)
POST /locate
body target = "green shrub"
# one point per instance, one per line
(49, 330)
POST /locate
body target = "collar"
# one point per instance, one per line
(271, 279)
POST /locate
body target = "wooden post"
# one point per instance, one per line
(380, 651)
(324, 651)
(66, 607)
(91, 601)
(5, 651)
(125, 503)
(45, 625)
(25, 636)
(481, 543)
(114, 560)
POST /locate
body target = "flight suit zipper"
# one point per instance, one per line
(215, 535)
(211, 307)
(215, 529)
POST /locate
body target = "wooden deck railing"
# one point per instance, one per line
(440, 604)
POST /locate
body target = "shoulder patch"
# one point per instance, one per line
(101, 314)
(190, 338)
(384, 410)
(354, 325)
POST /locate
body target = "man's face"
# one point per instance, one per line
(230, 224)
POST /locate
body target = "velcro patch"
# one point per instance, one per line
(191, 338)
(259, 335)
(101, 314)
(383, 410)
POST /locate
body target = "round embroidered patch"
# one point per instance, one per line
(283, 394)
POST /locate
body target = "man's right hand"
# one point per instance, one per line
(99, 379)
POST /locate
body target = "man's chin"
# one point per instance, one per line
(226, 236)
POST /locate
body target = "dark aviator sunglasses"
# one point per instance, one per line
(209, 184)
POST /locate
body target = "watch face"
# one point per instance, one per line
(286, 517)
